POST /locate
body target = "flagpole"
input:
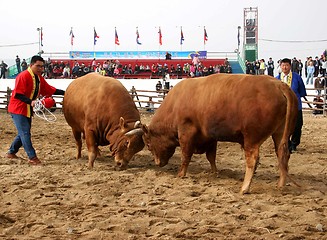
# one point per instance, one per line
(204, 41)
(160, 41)
(115, 39)
(71, 37)
(137, 45)
(40, 39)
(94, 42)
(181, 42)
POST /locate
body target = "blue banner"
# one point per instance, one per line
(136, 54)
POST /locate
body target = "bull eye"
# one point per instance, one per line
(126, 143)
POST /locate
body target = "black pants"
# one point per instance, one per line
(296, 137)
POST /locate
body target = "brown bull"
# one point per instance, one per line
(102, 110)
(245, 109)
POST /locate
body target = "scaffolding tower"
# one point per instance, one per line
(250, 40)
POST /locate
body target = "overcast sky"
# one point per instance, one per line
(279, 21)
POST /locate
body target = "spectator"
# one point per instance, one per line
(172, 70)
(295, 82)
(150, 106)
(158, 86)
(179, 71)
(196, 61)
(154, 69)
(249, 67)
(66, 71)
(168, 56)
(222, 68)
(133, 92)
(205, 71)
(318, 103)
(279, 70)
(229, 69)
(256, 67)
(316, 64)
(18, 64)
(211, 70)
(306, 64)
(136, 69)
(295, 65)
(116, 71)
(323, 65)
(271, 67)
(3, 69)
(75, 70)
(186, 68)
(24, 65)
(300, 67)
(226, 62)
(262, 67)
(105, 66)
(310, 71)
(93, 65)
(102, 71)
(319, 83)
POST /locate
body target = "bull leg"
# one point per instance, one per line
(78, 140)
(283, 156)
(186, 136)
(186, 158)
(211, 156)
(252, 157)
(92, 148)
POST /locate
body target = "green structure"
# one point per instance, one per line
(250, 40)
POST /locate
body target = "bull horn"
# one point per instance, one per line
(137, 124)
(136, 131)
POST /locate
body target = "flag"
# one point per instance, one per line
(160, 36)
(137, 37)
(41, 37)
(182, 36)
(95, 37)
(205, 36)
(116, 38)
(71, 34)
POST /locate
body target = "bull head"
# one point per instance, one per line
(161, 147)
(129, 143)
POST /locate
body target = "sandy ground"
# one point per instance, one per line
(63, 199)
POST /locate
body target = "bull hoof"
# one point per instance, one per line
(244, 191)
(181, 175)
(281, 183)
(119, 168)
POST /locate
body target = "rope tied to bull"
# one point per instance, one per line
(40, 109)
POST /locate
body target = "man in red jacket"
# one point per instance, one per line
(29, 85)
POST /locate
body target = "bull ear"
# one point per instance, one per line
(145, 129)
(122, 123)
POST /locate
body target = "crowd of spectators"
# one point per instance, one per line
(113, 68)
(311, 68)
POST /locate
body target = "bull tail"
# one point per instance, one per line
(283, 149)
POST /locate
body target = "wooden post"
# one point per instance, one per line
(134, 94)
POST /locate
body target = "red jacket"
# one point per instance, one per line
(25, 84)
